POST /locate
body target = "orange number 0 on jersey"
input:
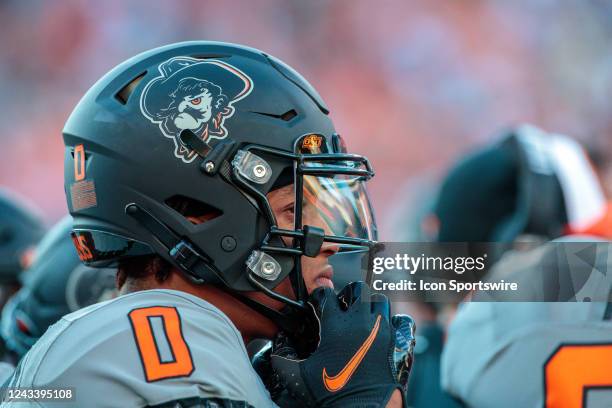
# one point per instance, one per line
(155, 369)
(572, 369)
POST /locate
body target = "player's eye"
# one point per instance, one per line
(289, 210)
(195, 101)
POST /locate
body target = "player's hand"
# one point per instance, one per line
(363, 355)
(263, 367)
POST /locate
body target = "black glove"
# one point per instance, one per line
(362, 357)
(263, 367)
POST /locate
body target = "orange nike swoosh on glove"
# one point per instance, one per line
(338, 381)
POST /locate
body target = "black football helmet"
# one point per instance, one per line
(57, 283)
(21, 228)
(219, 126)
(515, 188)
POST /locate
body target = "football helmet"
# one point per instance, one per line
(529, 186)
(217, 126)
(507, 189)
(56, 284)
(21, 227)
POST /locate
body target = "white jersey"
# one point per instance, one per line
(159, 348)
(6, 371)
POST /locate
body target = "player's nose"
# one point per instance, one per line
(329, 248)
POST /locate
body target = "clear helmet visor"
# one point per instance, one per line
(337, 203)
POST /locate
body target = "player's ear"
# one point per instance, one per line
(120, 279)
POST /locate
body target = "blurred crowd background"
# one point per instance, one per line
(410, 84)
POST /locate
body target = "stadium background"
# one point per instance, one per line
(410, 84)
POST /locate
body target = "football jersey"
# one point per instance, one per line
(533, 354)
(153, 348)
(6, 371)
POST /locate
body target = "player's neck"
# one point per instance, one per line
(250, 323)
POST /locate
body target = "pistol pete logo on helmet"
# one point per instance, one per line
(193, 94)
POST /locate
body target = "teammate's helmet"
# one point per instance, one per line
(217, 126)
(528, 183)
(504, 190)
(56, 284)
(20, 229)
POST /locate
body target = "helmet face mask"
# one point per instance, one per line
(263, 127)
(325, 203)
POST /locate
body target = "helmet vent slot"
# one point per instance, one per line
(124, 93)
(287, 116)
(193, 210)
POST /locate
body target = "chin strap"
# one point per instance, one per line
(200, 269)
(197, 266)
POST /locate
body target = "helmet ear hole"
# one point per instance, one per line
(193, 210)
